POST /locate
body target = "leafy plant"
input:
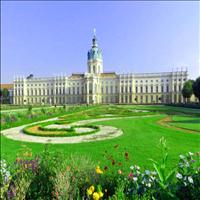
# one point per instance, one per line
(165, 180)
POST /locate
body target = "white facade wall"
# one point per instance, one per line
(101, 88)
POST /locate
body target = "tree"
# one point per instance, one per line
(187, 90)
(5, 95)
(1, 95)
(196, 88)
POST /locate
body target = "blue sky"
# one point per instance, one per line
(48, 38)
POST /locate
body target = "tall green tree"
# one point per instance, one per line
(5, 95)
(0, 95)
(187, 90)
(196, 88)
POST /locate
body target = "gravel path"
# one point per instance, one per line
(105, 132)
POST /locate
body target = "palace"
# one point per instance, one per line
(99, 87)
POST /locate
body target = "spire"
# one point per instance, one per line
(94, 40)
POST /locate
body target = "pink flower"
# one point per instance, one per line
(130, 175)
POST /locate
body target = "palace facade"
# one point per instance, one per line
(99, 87)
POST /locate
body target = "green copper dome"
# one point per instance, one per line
(95, 52)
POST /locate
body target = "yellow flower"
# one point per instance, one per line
(89, 192)
(100, 194)
(91, 188)
(95, 196)
(98, 170)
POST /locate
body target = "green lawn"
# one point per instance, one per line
(187, 122)
(140, 139)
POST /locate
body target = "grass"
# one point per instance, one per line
(14, 119)
(140, 138)
(186, 122)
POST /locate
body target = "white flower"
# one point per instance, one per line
(147, 172)
(187, 164)
(181, 157)
(135, 178)
(137, 167)
(190, 180)
(154, 172)
(190, 153)
(138, 172)
(131, 167)
(179, 176)
(152, 178)
(148, 184)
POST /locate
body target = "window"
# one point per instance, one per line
(126, 89)
(146, 89)
(130, 89)
(167, 88)
(90, 88)
(78, 90)
(146, 99)
(136, 89)
(111, 89)
(106, 89)
(122, 89)
(156, 88)
(141, 89)
(156, 98)
(179, 88)
(162, 88)
(141, 99)
(151, 88)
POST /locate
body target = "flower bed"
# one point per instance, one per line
(76, 177)
(41, 130)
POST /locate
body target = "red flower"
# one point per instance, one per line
(56, 194)
(130, 175)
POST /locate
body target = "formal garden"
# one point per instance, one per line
(101, 152)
